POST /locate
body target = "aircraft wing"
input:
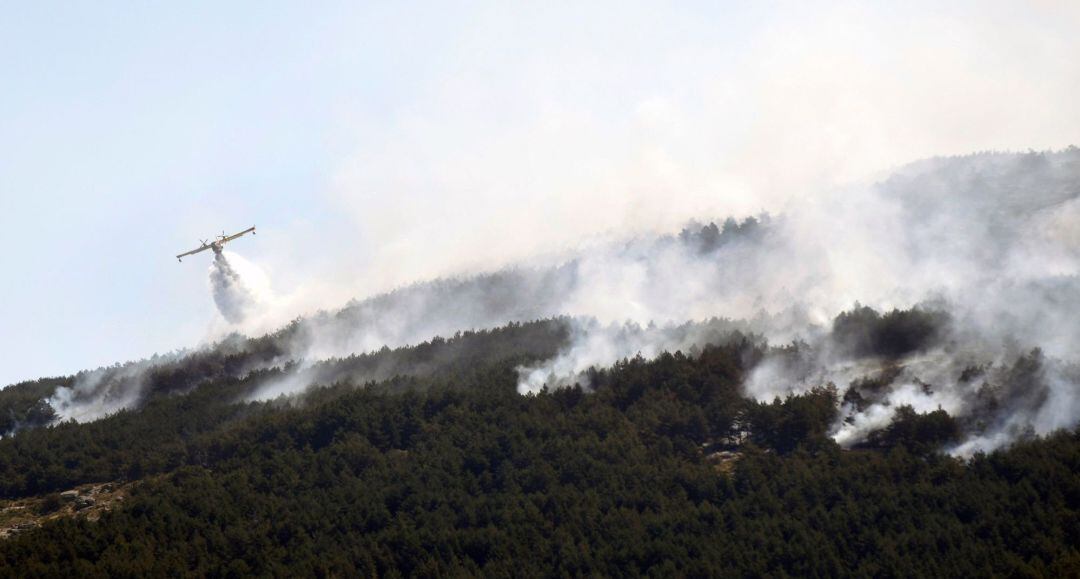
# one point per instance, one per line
(235, 235)
(193, 251)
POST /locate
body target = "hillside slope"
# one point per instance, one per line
(456, 472)
(708, 403)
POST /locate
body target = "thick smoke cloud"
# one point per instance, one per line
(104, 391)
(989, 239)
(628, 118)
(623, 298)
(983, 248)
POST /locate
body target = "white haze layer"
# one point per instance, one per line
(538, 126)
(461, 138)
(989, 238)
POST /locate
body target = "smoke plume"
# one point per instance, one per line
(965, 265)
(233, 298)
(982, 247)
(101, 392)
(951, 284)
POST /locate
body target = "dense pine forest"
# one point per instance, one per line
(658, 467)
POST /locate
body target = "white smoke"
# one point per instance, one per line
(988, 238)
(633, 118)
(99, 393)
(242, 295)
(233, 297)
(245, 298)
(627, 297)
(596, 345)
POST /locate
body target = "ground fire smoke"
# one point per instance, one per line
(980, 252)
(951, 285)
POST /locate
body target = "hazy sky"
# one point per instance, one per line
(377, 143)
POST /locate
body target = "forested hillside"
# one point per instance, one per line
(708, 403)
(533, 289)
(663, 467)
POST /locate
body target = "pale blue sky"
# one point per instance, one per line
(354, 134)
(128, 130)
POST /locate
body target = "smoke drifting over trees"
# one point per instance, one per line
(680, 389)
(929, 290)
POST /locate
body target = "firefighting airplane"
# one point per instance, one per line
(217, 244)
